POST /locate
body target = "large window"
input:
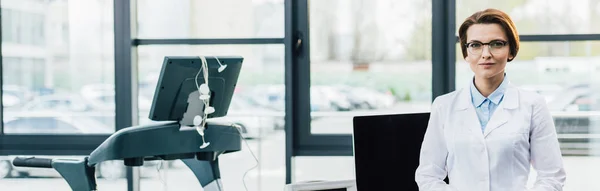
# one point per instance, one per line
(23, 26)
(257, 106)
(367, 58)
(69, 79)
(57, 84)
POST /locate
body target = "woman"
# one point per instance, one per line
(484, 137)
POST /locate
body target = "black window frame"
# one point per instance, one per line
(298, 66)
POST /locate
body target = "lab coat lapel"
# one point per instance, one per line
(499, 118)
(471, 121)
(502, 113)
(465, 112)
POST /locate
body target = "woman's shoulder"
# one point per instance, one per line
(529, 97)
(448, 99)
(448, 96)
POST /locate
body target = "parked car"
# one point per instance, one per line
(254, 121)
(332, 98)
(73, 104)
(14, 96)
(46, 124)
(278, 114)
(102, 97)
(367, 98)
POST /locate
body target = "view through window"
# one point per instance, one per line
(58, 76)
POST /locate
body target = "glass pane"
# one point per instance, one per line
(565, 73)
(257, 105)
(540, 16)
(58, 67)
(210, 19)
(368, 57)
(109, 176)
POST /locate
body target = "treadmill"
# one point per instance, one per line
(172, 134)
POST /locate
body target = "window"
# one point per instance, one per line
(7, 17)
(252, 107)
(367, 58)
(540, 16)
(36, 81)
(51, 52)
(217, 19)
(28, 72)
(23, 27)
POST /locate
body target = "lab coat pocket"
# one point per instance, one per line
(514, 135)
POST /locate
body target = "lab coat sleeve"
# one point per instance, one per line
(432, 161)
(545, 152)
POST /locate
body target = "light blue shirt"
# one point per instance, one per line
(485, 106)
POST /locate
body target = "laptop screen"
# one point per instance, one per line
(386, 150)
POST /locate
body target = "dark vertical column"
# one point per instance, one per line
(443, 46)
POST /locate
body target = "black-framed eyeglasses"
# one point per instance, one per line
(495, 46)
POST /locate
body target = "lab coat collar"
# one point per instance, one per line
(496, 97)
(510, 100)
(500, 116)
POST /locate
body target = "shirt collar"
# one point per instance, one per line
(495, 97)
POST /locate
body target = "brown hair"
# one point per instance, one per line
(491, 16)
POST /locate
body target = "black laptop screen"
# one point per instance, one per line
(386, 150)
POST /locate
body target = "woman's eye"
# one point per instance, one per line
(497, 44)
(475, 45)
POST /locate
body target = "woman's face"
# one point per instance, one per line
(487, 60)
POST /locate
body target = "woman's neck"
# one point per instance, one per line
(488, 85)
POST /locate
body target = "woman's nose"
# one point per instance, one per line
(485, 53)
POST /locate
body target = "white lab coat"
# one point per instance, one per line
(520, 132)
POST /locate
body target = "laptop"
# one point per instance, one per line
(387, 149)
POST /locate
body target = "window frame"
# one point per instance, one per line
(298, 104)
